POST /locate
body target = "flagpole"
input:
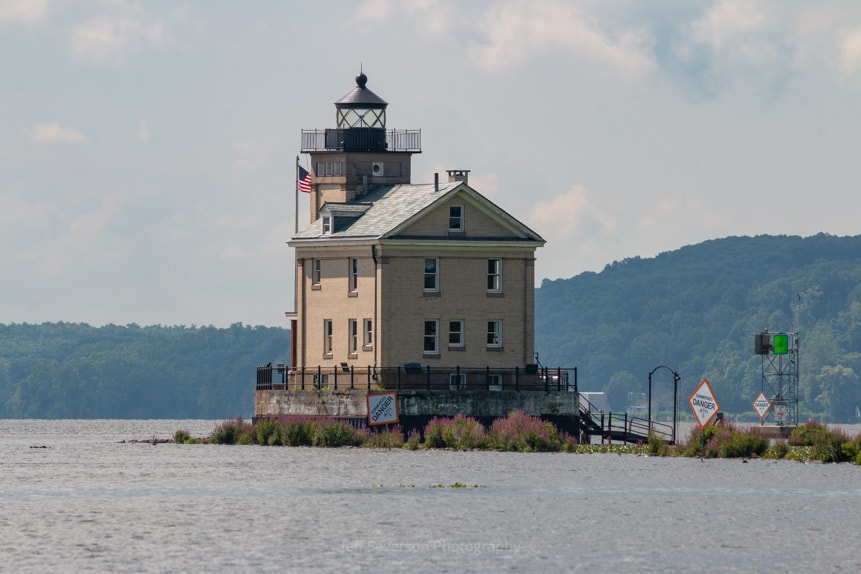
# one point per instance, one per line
(296, 208)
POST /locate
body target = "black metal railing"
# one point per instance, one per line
(620, 427)
(361, 139)
(413, 376)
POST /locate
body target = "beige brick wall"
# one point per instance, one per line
(476, 222)
(462, 296)
(334, 300)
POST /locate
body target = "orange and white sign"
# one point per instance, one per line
(704, 404)
(382, 408)
(761, 405)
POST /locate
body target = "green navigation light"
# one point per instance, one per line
(781, 344)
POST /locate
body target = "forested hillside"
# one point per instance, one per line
(697, 309)
(67, 370)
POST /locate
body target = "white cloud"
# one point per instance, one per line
(23, 11)
(572, 214)
(515, 32)
(108, 39)
(143, 131)
(727, 21)
(850, 52)
(54, 133)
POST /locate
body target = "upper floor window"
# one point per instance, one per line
(494, 333)
(455, 218)
(329, 168)
(354, 274)
(431, 338)
(327, 224)
(315, 272)
(431, 275)
(494, 275)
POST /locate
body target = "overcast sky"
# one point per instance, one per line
(147, 149)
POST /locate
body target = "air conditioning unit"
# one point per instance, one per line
(377, 168)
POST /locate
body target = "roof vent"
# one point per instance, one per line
(458, 175)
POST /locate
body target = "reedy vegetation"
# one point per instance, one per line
(521, 432)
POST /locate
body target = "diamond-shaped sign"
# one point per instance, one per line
(761, 405)
(704, 404)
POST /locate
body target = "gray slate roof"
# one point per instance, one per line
(387, 208)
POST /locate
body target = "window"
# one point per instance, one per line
(494, 333)
(315, 272)
(455, 333)
(494, 382)
(455, 218)
(494, 275)
(431, 274)
(353, 333)
(354, 274)
(431, 337)
(322, 382)
(327, 224)
(327, 337)
(457, 381)
(368, 334)
(328, 168)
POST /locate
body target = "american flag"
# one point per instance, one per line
(304, 180)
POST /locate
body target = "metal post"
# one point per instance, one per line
(650, 400)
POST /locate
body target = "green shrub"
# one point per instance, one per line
(384, 438)
(434, 433)
(825, 445)
(725, 441)
(267, 432)
(463, 433)
(181, 437)
(235, 431)
(414, 440)
(656, 445)
(522, 432)
(333, 434)
(778, 450)
(296, 431)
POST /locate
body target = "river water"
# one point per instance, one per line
(77, 496)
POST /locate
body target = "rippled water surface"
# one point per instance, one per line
(77, 496)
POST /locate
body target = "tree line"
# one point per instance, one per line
(74, 370)
(697, 309)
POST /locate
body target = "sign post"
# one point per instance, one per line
(383, 409)
(705, 407)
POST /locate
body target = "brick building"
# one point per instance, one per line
(391, 273)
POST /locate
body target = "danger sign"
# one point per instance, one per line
(382, 408)
(704, 404)
(761, 405)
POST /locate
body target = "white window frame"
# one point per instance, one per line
(494, 382)
(327, 337)
(432, 337)
(457, 381)
(435, 275)
(353, 336)
(455, 222)
(315, 272)
(494, 334)
(368, 334)
(459, 332)
(327, 224)
(494, 275)
(353, 274)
